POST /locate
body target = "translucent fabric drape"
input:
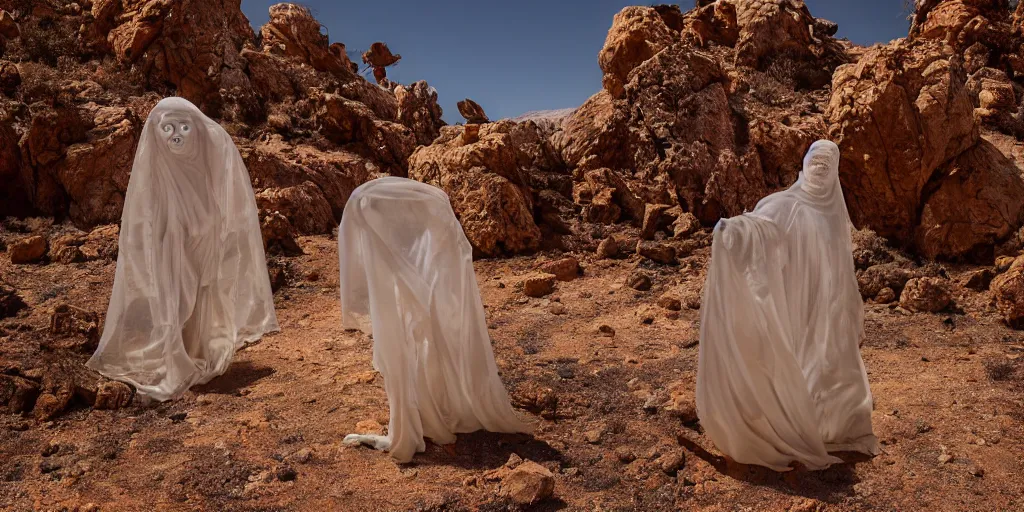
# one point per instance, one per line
(780, 377)
(191, 285)
(407, 278)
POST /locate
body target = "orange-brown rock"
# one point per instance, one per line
(304, 204)
(294, 33)
(276, 165)
(898, 115)
(30, 249)
(1008, 289)
(593, 135)
(976, 204)
(419, 111)
(489, 181)
(279, 236)
(637, 34)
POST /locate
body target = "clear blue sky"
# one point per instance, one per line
(516, 56)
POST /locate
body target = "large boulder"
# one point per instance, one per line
(898, 115)
(491, 173)
(1008, 289)
(592, 136)
(976, 204)
(308, 178)
(304, 204)
(637, 34)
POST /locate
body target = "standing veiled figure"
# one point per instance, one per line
(780, 377)
(407, 278)
(191, 285)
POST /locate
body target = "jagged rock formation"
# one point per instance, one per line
(700, 114)
(68, 136)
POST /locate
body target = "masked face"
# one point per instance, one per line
(177, 130)
(821, 167)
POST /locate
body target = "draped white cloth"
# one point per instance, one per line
(407, 278)
(191, 285)
(780, 377)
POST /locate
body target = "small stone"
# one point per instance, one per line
(670, 303)
(639, 281)
(593, 436)
(945, 458)
(302, 456)
(27, 250)
(178, 417)
(885, 296)
(672, 462)
(608, 248)
(565, 269)
(926, 295)
(625, 455)
(606, 330)
(657, 251)
(977, 471)
(538, 284)
(654, 220)
(646, 314)
(528, 484)
(112, 395)
(652, 404)
(685, 225)
(49, 466)
(692, 300)
(557, 309)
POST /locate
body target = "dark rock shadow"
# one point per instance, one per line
(240, 374)
(829, 485)
(486, 450)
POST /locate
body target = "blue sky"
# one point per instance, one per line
(516, 56)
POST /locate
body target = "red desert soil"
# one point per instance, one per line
(267, 435)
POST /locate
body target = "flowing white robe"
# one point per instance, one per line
(407, 278)
(780, 378)
(191, 285)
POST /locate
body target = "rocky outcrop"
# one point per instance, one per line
(419, 111)
(293, 33)
(309, 186)
(975, 205)
(494, 180)
(67, 139)
(898, 114)
(637, 34)
(304, 203)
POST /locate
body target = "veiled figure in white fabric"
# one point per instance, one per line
(780, 377)
(407, 278)
(191, 285)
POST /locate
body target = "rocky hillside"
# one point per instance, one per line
(700, 114)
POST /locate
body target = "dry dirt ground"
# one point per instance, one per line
(266, 435)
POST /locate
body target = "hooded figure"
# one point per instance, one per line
(780, 377)
(191, 285)
(407, 278)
